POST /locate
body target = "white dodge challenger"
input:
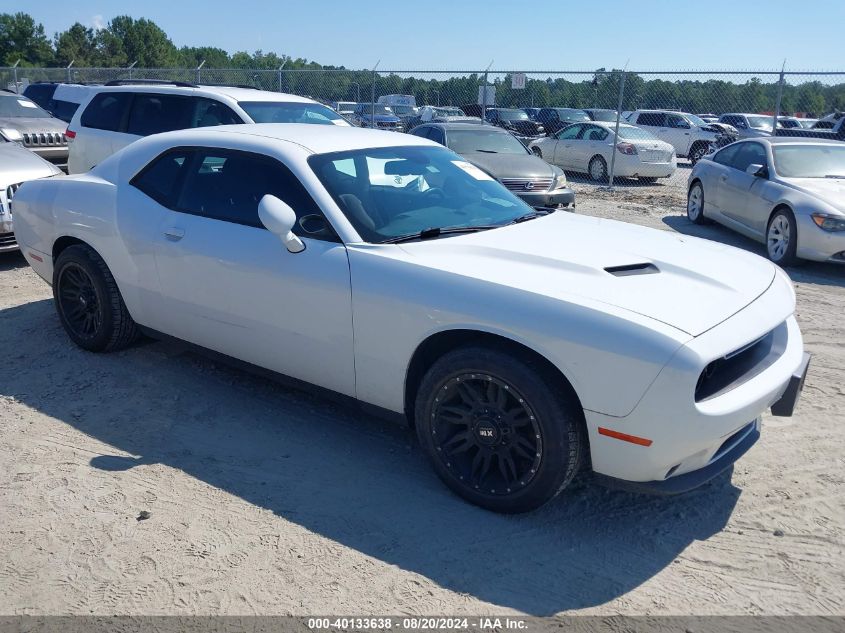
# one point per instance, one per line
(521, 344)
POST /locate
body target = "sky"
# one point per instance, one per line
(460, 35)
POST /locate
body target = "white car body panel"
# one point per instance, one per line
(349, 316)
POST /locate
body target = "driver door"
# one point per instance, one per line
(678, 133)
(565, 147)
(230, 285)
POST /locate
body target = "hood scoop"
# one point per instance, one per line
(633, 269)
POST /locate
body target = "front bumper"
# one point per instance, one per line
(682, 435)
(817, 244)
(564, 197)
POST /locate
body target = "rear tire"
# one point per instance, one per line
(496, 429)
(598, 169)
(88, 301)
(782, 238)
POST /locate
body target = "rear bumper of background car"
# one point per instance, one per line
(632, 166)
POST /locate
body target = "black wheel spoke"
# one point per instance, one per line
(480, 466)
(78, 303)
(468, 394)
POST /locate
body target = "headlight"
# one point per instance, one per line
(829, 222)
(560, 181)
(11, 135)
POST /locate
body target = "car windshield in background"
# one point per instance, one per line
(280, 112)
(402, 110)
(574, 116)
(380, 109)
(760, 122)
(449, 112)
(482, 140)
(512, 115)
(19, 107)
(604, 115)
(388, 192)
(636, 133)
(694, 120)
(810, 161)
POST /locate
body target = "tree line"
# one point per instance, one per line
(126, 40)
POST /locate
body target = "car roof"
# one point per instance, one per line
(233, 92)
(318, 139)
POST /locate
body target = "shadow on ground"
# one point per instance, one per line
(356, 480)
(12, 260)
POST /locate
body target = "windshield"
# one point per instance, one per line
(604, 115)
(279, 112)
(483, 140)
(402, 110)
(760, 122)
(695, 120)
(573, 115)
(449, 112)
(810, 161)
(636, 133)
(386, 192)
(512, 115)
(18, 107)
(380, 109)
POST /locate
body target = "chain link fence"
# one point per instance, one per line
(546, 97)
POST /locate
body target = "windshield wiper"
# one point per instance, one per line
(436, 231)
(537, 213)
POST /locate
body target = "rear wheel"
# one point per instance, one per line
(88, 301)
(695, 204)
(598, 169)
(498, 433)
(782, 238)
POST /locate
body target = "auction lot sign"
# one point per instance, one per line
(487, 624)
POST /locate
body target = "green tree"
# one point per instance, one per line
(126, 40)
(22, 39)
(78, 45)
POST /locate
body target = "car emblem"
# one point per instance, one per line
(528, 186)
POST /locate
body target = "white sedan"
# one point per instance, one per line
(520, 344)
(588, 148)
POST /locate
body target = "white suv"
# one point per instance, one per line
(688, 134)
(120, 112)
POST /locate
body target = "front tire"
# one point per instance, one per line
(697, 153)
(597, 169)
(695, 204)
(782, 238)
(88, 301)
(537, 151)
(498, 433)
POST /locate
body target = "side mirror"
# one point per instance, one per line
(280, 219)
(757, 170)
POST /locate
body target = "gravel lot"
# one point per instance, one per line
(265, 500)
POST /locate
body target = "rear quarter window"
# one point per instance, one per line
(106, 111)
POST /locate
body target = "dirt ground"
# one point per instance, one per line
(263, 500)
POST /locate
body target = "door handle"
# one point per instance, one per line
(174, 234)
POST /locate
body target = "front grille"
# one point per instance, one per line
(740, 365)
(44, 139)
(7, 239)
(524, 185)
(10, 192)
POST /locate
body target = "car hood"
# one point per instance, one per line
(511, 165)
(830, 190)
(33, 124)
(18, 164)
(698, 283)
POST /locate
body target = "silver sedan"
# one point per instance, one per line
(788, 193)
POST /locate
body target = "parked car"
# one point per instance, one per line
(17, 165)
(808, 123)
(691, 137)
(59, 99)
(499, 154)
(789, 122)
(599, 114)
(377, 116)
(749, 125)
(588, 148)
(784, 192)
(708, 117)
(403, 106)
(517, 343)
(554, 119)
(441, 114)
(834, 133)
(532, 113)
(516, 122)
(121, 112)
(23, 121)
(344, 108)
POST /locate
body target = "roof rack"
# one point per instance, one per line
(225, 85)
(141, 82)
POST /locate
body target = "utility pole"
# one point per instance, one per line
(68, 70)
(616, 129)
(199, 70)
(484, 94)
(777, 101)
(373, 95)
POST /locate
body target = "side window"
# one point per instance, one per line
(595, 133)
(159, 179)
(676, 121)
(750, 154)
(656, 119)
(227, 185)
(106, 111)
(436, 135)
(208, 113)
(727, 155)
(154, 113)
(569, 133)
(423, 131)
